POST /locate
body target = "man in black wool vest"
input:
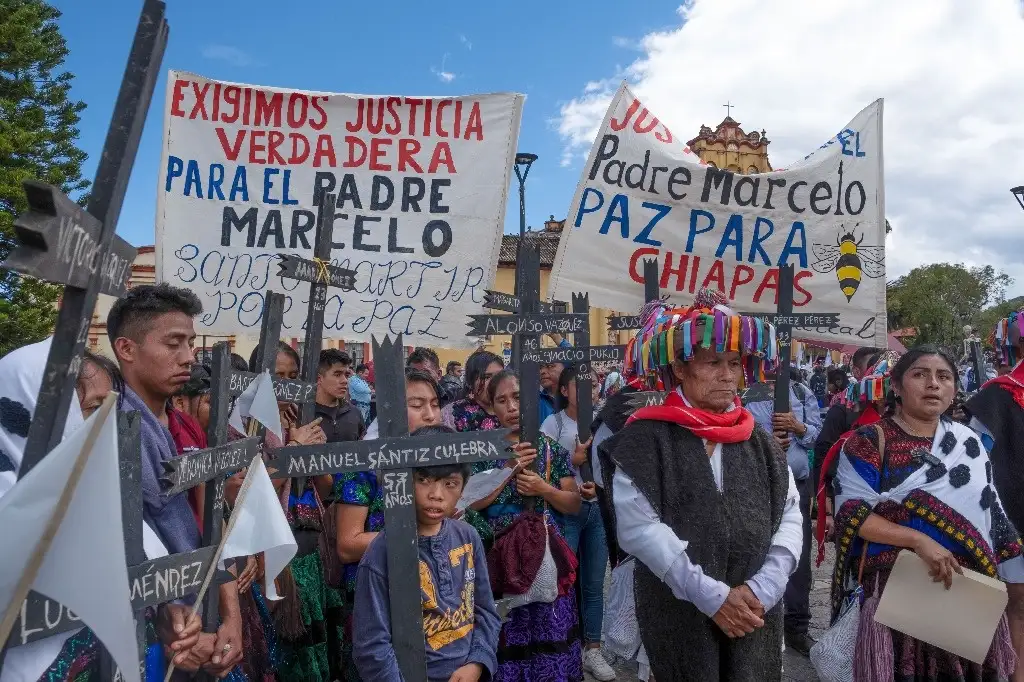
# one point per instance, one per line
(997, 414)
(704, 499)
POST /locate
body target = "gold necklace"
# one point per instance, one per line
(906, 427)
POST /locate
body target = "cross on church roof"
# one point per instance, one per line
(728, 108)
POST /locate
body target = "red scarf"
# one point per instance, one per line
(866, 418)
(1012, 382)
(725, 427)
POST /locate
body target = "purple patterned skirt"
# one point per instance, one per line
(541, 643)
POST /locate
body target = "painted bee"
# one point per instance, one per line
(850, 260)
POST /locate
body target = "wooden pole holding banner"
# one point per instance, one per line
(395, 474)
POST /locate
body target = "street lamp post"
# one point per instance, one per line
(1018, 194)
(523, 162)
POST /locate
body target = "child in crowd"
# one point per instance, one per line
(460, 621)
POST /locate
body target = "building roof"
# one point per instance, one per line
(546, 243)
(729, 130)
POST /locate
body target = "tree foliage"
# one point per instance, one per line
(38, 135)
(938, 300)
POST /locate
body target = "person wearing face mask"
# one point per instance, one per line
(703, 498)
(359, 508)
(74, 655)
(919, 481)
(474, 413)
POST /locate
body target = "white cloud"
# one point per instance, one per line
(466, 42)
(229, 54)
(951, 73)
(443, 75)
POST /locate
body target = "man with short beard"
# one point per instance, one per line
(152, 333)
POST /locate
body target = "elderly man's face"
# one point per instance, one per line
(549, 375)
(710, 380)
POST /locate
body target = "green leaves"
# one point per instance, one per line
(38, 136)
(938, 300)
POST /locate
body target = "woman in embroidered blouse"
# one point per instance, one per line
(474, 412)
(539, 641)
(940, 504)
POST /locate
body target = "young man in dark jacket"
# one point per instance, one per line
(340, 418)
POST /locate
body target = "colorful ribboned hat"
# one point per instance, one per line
(1007, 335)
(874, 385)
(667, 333)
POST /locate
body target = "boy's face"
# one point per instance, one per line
(334, 381)
(436, 497)
(161, 362)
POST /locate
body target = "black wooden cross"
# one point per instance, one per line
(321, 275)
(61, 243)
(527, 326)
(784, 320)
(393, 457)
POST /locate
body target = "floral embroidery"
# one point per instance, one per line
(360, 488)
(15, 417)
(5, 463)
(956, 528)
(947, 443)
(467, 415)
(936, 472)
(987, 497)
(1004, 536)
(848, 521)
(960, 475)
(972, 447)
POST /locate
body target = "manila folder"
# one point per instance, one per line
(961, 620)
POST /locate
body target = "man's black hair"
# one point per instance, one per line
(865, 357)
(441, 470)
(362, 367)
(329, 357)
(452, 364)
(416, 375)
(282, 347)
(238, 363)
(133, 315)
(421, 355)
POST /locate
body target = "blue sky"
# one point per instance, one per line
(547, 50)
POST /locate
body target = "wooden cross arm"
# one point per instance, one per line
(538, 323)
(802, 320)
(645, 399)
(499, 300)
(152, 582)
(286, 390)
(623, 322)
(193, 468)
(405, 452)
(317, 272)
(59, 241)
(575, 354)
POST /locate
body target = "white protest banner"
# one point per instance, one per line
(644, 194)
(421, 185)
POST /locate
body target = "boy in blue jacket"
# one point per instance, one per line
(460, 622)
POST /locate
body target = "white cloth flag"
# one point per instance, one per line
(85, 568)
(259, 525)
(482, 484)
(259, 402)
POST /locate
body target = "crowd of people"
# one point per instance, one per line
(704, 508)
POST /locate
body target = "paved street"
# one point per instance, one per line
(796, 667)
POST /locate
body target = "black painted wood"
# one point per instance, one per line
(526, 323)
(529, 372)
(576, 354)
(803, 320)
(288, 390)
(107, 194)
(784, 336)
(584, 382)
(189, 470)
(509, 303)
